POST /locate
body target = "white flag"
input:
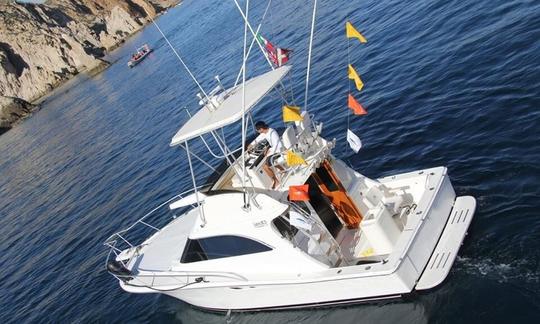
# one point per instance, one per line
(297, 220)
(354, 141)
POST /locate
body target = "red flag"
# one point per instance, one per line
(356, 107)
(282, 56)
(299, 193)
(278, 56)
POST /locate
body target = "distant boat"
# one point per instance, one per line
(138, 56)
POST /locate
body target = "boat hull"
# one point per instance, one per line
(344, 285)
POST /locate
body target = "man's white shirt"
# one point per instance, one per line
(273, 139)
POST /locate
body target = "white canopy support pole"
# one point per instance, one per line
(223, 135)
(223, 149)
(201, 210)
(205, 143)
(198, 158)
(309, 53)
(251, 119)
(227, 150)
(210, 150)
(181, 61)
(252, 42)
(246, 200)
(232, 162)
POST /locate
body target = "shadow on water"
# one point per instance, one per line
(391, 311)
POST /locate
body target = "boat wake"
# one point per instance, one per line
(516, 271)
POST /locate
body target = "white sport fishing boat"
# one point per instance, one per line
(236, 243)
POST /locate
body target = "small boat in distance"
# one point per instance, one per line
(138, 56)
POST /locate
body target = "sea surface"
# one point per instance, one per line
(451, 83)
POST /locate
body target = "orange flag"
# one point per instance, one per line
(356, 107)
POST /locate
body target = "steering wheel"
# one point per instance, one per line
(260, 147)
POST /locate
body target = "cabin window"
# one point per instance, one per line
(193, 252)
(220, 247)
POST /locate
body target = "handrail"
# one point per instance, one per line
(111, 240)
(199, 276)
(182, 274)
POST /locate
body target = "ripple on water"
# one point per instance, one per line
(451, 83)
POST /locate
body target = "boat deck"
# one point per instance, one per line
(166, 245)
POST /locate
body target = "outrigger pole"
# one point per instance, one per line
(183, 64)
(201, 210)
(309, 53)
(253, 33)
(258, 43)
(252, 42)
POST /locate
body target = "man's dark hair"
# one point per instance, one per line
(260, 125)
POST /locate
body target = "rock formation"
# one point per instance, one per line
(13, 110)
(43, 45)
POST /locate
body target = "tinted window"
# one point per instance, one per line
(193, 252)
(220, 247)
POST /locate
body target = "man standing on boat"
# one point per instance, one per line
(272, 153)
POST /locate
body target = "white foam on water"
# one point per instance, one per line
(514, 272)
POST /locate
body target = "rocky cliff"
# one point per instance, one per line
(12, 110)
(43, 45)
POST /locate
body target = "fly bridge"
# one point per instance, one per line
(301, 139)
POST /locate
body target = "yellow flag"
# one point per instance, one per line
(294, 159)
(354, 76)
(353, 33)
(291, 113)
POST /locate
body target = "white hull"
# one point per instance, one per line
(285, 223)
(346, 284)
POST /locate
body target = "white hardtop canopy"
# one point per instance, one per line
(230, 110)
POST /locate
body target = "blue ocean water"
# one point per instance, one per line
(453, 83)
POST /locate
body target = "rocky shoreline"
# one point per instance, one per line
(44, 45)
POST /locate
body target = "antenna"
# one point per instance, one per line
(219, 82)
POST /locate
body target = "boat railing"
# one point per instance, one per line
(172, 280)
(312, 162)
(320, 236)
(120, 241)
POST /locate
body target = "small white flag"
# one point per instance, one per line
(297, 220)
(354, 141)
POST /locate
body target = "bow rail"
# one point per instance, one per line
(119, 241)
